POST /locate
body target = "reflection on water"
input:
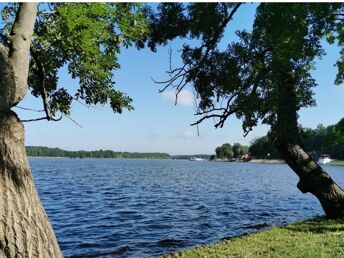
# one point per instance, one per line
(144, 208)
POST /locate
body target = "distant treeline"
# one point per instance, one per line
(321, 140)
(39, 151)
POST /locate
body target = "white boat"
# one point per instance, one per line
(196, 159)
(324, 159)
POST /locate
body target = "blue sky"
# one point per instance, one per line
(156, 124)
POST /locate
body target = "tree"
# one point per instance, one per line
(84, 37)
(264, 76)
(264, 147)
(224, 151)
(219, 152)
(260, 147)
(239, 150)
(328, 140)
(227, 150)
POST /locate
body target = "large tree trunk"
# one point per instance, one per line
(313, 179)
(25, 230)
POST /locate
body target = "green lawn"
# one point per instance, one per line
(337, 162)
(308, 239)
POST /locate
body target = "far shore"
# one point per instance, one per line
(58, 157)
(281, 161)
(267, 161)
(257, 161)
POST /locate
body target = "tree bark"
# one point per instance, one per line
(312, 178)
(25, 230)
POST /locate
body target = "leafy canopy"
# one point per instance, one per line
(244, 78)
(86, 38)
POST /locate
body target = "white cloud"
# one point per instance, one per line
(185, 97)
(183, 135)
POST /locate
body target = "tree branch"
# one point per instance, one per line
(223, 24)
(75, 122)
(19, 48)
(40, 73)
(179, 75)
(29, 109)
(42, 118)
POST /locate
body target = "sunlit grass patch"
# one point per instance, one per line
(337, 162)
(308, 239)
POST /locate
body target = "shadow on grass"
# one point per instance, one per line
(318, 226)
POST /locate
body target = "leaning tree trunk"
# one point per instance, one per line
(312, 178)
(25, 230)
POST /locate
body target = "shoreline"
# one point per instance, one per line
(267, 161)
(255, 161)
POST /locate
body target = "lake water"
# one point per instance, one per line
(145, 208)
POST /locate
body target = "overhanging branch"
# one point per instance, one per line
(42, 118)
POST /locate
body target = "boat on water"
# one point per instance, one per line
(196, 159)
(324, 159)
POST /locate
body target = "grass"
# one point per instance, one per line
(267, 161)
(308, 239)
(337, 162)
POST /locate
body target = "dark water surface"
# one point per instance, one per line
(145, 208)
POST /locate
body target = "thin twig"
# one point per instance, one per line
(29, 109)
(75, 122)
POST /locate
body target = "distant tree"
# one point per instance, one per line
(264, 76)
(329, 140)
(35, 44)
(227, 150)
(224, 151)
(239, 150)
(263, 148)
(245, 149)
(219, 152)
(259, 147)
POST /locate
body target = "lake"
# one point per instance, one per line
(145, 208)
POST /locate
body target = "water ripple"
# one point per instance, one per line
(145, 208)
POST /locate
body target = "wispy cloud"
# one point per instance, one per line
(153, 135)
(185, 97)
(183, 135)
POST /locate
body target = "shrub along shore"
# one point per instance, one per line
(312, 238)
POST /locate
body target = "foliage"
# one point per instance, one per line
(224, 151)
(38, 151)
(313, 238)
(243, 79)
(329, 140)
(321, 140)
(263, 147)
(239, 150)
(227, 151)
(84, 38)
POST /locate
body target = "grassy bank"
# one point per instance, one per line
(308, 239)
(337, 163)
(267, 161)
